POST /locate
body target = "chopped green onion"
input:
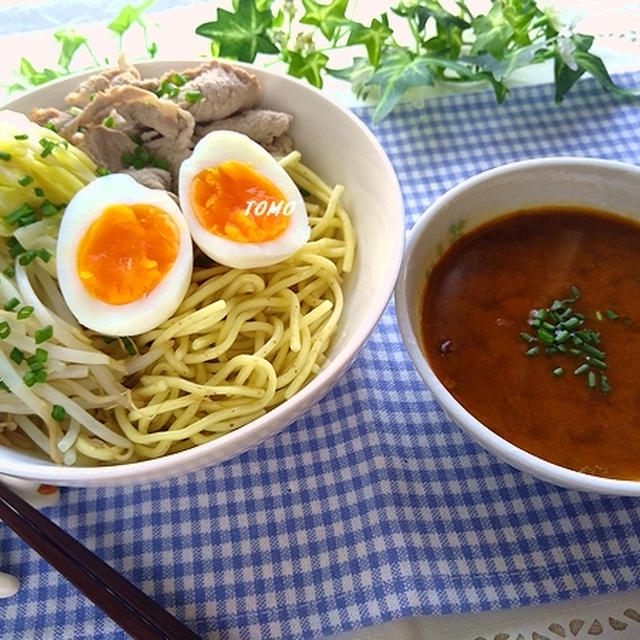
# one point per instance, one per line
(58, 413)
(108, 122)
(193, 97)
(558, 371)
(42, 335)
(25, 180)
(40, 356)
(11, 304)
(25, 312)
(15, 216)
(9, 272)
(21, 136)
(48, 208)
(128, 345)
(16, 355)
(583, 368)
(47, 146)
(591, 380)
(32, 377)
(38, 191)
(5, 156)
(5, 329)
(44, 255)
(101, 171)
(612, 315)
(27, 257)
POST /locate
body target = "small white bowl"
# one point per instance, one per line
(597, 184)
(340, 148)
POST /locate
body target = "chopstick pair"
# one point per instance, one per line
(123, 602)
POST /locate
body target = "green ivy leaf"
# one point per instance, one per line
(71, 41)
(398, 72)
(492, 33)
(308, 66)
(243, 34)
(35, 77)
(328, 17)
(593, 64)
(372, 37)
(565, 77)
(127, 16)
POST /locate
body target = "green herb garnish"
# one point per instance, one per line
(559, 329)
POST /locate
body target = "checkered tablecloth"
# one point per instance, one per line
(373, 505)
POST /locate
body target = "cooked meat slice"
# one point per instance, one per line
(223, 90)
(280, 146)
(165, 148)
(151, 177)
(51, 115)
(261, 125)
(105, 146)
(123, 74)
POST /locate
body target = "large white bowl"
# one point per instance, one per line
(341, 150)
(599, 184)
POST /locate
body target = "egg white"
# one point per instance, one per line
(140, 315)
(221, 146)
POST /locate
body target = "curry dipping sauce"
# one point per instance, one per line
(477, 302)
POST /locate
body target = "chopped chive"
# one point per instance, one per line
(44, 255)
(544, 336)
(32, 377)
(25, 180)
(591, 379)
(108, 122)
(612, 315)
(193, 97)
(27, 257)
(47, 146)
(15, 216)
(39, 356)
(42, 335)
(581, 369)
(597, 362)
(9, 272)
(16, 355)
(38, 191)
(598, 316)
(58, 413)
(11, 304)
(48, 208)
(604, 384)
(558, 371)
(25, 312)
(5, 156)
(15, 248)
(533, 351)
(527, 337)
(101, 171)
(562, 335)
(592, 351)
(128, 345)
(571, 323)
(21, 136)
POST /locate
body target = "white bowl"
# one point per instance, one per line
(340, 148)
(599, 184)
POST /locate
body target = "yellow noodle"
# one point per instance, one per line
(241, 342)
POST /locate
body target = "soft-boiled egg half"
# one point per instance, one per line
(242, 208)
(124, 256)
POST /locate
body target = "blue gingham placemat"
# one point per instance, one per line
(374, 505)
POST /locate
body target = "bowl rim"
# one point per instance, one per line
(499, 446)
(156, 469)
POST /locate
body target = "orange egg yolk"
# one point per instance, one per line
(126, 252)
(235, 202)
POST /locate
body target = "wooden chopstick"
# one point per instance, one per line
(123, 602)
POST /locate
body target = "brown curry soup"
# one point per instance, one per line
(477, 301)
